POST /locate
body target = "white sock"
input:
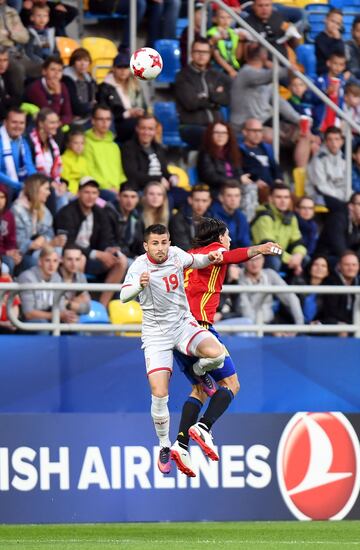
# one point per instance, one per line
(161, 419)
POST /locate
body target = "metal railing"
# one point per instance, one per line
(277, 59)
(56, 327)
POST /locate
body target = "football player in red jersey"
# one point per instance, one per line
(203, 289)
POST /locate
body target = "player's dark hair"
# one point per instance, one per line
(157, 229)
(208, 231)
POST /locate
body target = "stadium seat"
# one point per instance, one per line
(125, 314)
(299, 175)
(97, 314)
(184, 182)
(193, 175)
(305, 55)
(66, 46)
(181, 24)
(165, 112)
(102, 53)
(170, 53)
(315, 15)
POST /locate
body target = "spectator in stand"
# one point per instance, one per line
(33, 221)
(81, 86)
(340, 308)
(254, 85)
(103, 154)
(309, 229)
(356, 168)
(329, 41)
(71, 271)
(183, 224)
(42, 42)
(13, 35)
(126, 225)
(228, 43)
(123, 7)
(277, 222)
(36, 306)
(270, 24)
(15, 156)
(256, 305)
(87, 226)
(258, 159)
(74, 162)
(49, 91)
(61, 14)
(9, 252)
(200, 92)
(219, 158)
(351, 104)
(227, 209)
(11, 90)
(315, 272)
(145, 160)
(341, 231)
(122, 92)
(352, 49)
(5, 325)
(327, 172)
(162, 19)
(332, 83)
(155, 205)
(197, 33)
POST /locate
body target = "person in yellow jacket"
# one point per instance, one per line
(228, 43)
(74, 163)
(277, 222)
(103, 154)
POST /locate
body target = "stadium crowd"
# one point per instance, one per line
(83, 171)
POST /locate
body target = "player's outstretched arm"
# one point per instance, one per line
(267, 249)
(130, 290)
(239, 255)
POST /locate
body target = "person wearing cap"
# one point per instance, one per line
(81, 85)
(87, 226)
(121, 92)
(103, 154)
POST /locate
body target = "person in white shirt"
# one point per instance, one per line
(157, 278)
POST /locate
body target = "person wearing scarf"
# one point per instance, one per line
(46, 151)
(15, 156)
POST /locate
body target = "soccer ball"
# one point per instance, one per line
(146, 64)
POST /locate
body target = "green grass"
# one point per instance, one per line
(188, 536)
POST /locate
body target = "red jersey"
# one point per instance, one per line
(203, 286)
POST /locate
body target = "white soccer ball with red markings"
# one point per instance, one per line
(146, 64)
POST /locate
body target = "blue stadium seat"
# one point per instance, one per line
(315, 14)
(305, 55)
(170, 53)
(97, 314)
(165, 112)
(181, 24)
(193, 175)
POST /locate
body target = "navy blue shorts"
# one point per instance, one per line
(185, 362)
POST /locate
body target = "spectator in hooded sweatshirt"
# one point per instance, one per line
(227, 209)
(9, 252)
(103, 155)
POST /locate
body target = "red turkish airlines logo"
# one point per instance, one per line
(318, 464)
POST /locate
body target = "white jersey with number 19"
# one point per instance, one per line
(163, 301)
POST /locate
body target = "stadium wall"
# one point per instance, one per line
(97, 462)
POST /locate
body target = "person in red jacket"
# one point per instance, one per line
(203, 289)
(9, 252)
(50, 91)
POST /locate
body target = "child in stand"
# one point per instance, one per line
(42, 42)
(356, 168)
(329, 40)
(332, 84)
(352, 48)
(352, 104)
(228, 43)
(74, 162)
(301, 98)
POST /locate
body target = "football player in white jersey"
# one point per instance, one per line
(157, 279)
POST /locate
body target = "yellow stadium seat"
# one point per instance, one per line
(183, 177)
(66, 46)
(300, 3)
(299, 175)
(102, 53)
(125, 314)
